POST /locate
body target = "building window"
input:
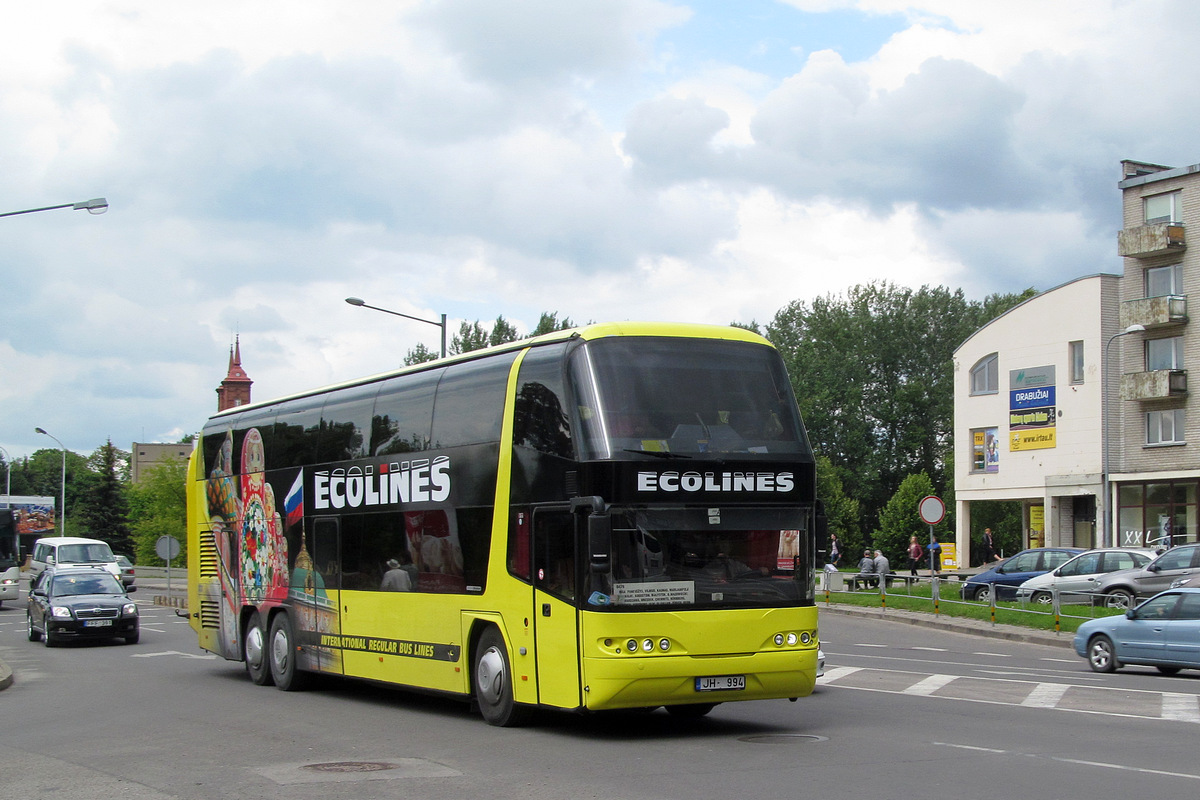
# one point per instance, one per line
(985, 375)
(1159, 514)
(985, 450)
(1164, 427)
(1164, 353)
(1164, 281)
(1075, 354)
(1162, 208)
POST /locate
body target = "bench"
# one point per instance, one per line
(871, 580)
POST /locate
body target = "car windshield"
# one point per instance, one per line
(67, 585)
(97, 552)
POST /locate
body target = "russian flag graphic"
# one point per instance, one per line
(293, 504)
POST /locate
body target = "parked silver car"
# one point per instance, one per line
(1123, 588)
(1077, 580)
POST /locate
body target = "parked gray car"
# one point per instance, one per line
(1122, 589)
(1076, 580)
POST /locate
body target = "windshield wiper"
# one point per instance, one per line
(656, 453)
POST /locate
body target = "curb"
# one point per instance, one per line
(924, 619)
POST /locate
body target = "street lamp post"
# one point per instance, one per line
(63, 511)
(97, 205)
(1109, 535)
(8, 480)
(358, 301)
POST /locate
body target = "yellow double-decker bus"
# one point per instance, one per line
(615, 516)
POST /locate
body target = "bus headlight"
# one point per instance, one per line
(791, 639)
(779, 640)
(648, 646)
(631, 645)
(805, 637)
(664, 644)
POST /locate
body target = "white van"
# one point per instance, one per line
(71, 550)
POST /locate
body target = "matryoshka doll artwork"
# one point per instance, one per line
(223, 513)
(263, 548)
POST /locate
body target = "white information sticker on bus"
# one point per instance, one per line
(720, 683)
(656, 593)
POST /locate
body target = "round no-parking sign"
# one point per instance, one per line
(932, 509)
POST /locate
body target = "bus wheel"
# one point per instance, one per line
(691, 711)
(256, 652)
(493, 682)
(282, 656)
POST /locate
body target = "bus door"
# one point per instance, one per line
(556, 620)
(317, 599)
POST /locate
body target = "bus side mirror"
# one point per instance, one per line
(599, 530)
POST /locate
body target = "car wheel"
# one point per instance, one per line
(1043, 598)
(1100, 654)
(133, 638)
(282, 655)
(493, 682)
(983, 594)
(1169, 670)
(34, 634)
(691, 710)
(1119, 598)
(256, 652)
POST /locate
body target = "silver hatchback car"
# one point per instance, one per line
(1123, 588)
(1077, 581)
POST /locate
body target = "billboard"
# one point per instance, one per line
(32, 516)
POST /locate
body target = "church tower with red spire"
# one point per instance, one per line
(235, 389)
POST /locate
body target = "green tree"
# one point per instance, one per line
(105, 511)
(873, 374)
(419, 355)
(549, 323)
(158, 507)
(841, 510)
(900, 519)
(40, 475)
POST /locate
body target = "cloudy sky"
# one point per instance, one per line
(690, 160)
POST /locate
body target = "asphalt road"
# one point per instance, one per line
(903, 712)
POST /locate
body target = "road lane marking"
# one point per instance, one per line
(931, 649)
(1183, 707)
(931, 684)
(1078, 761)
(838, 672)
(1045, 695)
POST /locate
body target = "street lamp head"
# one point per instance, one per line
(39, 430)
(356, 301)
(97, 205)
(1134, 328)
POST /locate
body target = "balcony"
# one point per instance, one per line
(1160, 384)
(1151, 240)
(1155, 312)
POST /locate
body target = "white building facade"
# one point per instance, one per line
(1028, 414)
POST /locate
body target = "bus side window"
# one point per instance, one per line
(518, 545)
(554, 553)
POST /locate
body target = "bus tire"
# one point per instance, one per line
(256, 652)
(492, 681)
(691, 710)
(282, 655)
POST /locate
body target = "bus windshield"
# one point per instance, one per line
(688, 397)
(675, 558)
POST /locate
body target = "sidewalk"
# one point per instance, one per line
(974, 627)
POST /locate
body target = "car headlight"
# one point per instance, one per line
(60, 612)
(129, 610)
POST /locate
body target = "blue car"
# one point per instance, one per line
(1163, 632)
(1015, 570)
